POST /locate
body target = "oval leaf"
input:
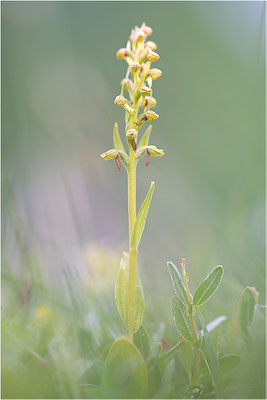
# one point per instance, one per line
(117, 139)
(125, 372)
(247, 305)
(141, 218)
(142, 342)
(121, 294)
(182, 320)
(177, 282)
(208, 286)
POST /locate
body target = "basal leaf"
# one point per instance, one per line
(141, 218)
(208, 286)
(117, 139)
(145, 138)
(181, 319)
(247, 305)
(177, 282)
(125, 372)
(121, 294)
(142, 342)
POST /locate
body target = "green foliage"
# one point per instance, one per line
(125, 372)
(121, 295)
(182, 319)
(247, 306)
(142, 341)
(117, 139)
(141, 218)
(178, 283)
(208, 286)
(145, 138)
(211, 360)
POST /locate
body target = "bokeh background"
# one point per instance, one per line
(65, 210)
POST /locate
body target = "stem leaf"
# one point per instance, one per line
(145, 138)
(246, 312)
(141, 218)
(121, 294)
(181, 319)
(208, 286)
(142, 342)
(177, 282)
(117, 139)
(125, 372)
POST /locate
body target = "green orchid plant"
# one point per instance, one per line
(137, 104)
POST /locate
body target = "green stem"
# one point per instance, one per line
(133, 251)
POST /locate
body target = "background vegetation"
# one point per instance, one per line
(65, 210)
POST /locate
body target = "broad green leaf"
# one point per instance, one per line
(247, 305)
(121, 294)
(208, 286)
(227, 363)
(178, 283)
(141, 218)
(212, 362)
(145, 138)
(117, 139)
(142, 342)
(182, 320)
(125, 372)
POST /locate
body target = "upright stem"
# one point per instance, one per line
(133, 251)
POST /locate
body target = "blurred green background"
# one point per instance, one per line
(65, 209)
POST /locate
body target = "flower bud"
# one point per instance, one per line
(122, 53)
(150, 101)
(145, 90)
(151, 45)
(140, 35)
(146, 29)
(151, 115)
(152, 56)
(110, 154)
(120, 100)
(131, 134)
(155, 73)
(135, 66)
(127, 84)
